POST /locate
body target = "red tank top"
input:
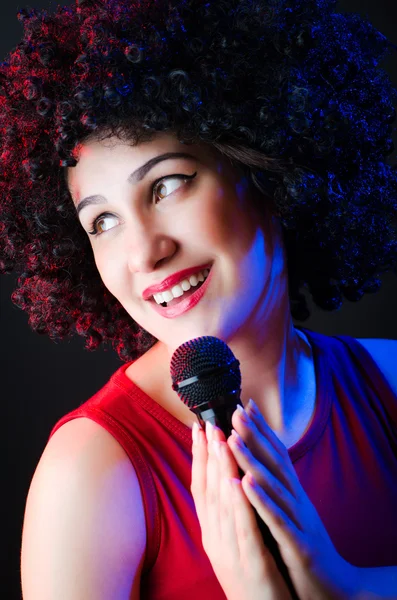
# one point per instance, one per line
(346, 462)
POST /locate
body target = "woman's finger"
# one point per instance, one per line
(229, 469)
(227, 523)
(267, 432)
(283, 529)
(261, 447)
(254, 555)
(199, 474)
(212, 491)
(271, 485)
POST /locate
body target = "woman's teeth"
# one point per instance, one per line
(179, 289)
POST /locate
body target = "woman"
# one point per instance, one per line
(260, 121)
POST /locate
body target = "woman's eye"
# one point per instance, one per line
(156, 190)
(95, 224)
(164, 183)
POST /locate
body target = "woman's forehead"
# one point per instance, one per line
(112, 159)
(115, 154)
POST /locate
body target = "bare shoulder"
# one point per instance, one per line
(384, 353)
(84, 529)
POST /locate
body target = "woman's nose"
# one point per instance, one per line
(148, 250)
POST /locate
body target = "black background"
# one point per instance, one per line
(42, 380)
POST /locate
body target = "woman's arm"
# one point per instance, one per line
(84, 532)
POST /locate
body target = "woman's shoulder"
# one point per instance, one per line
(84, 507)
(87, 457)
(87, 450)
(384, 353)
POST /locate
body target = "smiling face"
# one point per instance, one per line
(152, 231)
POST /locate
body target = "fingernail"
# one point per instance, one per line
(237, 439)
(242, 412)
(235, 485)
(251, 479)
(252, 407)
(209, 430)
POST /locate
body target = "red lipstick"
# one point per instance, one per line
(172, 280)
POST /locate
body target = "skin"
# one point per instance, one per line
(242, 563)
(220, 217)
(215, 217)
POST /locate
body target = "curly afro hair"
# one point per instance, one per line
(289, 90)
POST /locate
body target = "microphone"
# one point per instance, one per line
(206, 376)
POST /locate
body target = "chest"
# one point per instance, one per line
(149, 374)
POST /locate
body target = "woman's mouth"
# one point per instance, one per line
(180, 305)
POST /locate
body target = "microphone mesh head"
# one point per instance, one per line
(212, 366)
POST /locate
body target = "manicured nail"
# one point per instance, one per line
(251, 479)
(209, 430)
(237, 439)
(242, 413)
(252, 407)
(235, 485)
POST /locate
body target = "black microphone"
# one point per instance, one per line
(206, 376)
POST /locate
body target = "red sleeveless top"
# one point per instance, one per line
(346, 462)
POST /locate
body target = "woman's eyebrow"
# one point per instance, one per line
(135, 177)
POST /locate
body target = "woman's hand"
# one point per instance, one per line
(231, 538)
(271, 485)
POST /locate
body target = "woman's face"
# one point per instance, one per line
(148, 235)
